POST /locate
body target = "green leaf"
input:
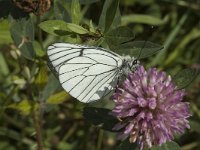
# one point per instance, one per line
(91, 27)
(167, 146)
(109, 15)
(126, 145)
(119, 35)
(84, 1)
(24, 107)
(162, 56)
(22, 33)
(27, 50)
(38, 49)
(51, 26)
(61, 10)
(51, 86)
(77, 29)
(195, 126)
(5, 144)
(143, 19)
(63, 145)
(42, 77)
(180, 48)
(75, 11)
(26, 73)
(139, 49)
(185, 77)
(11, 133)
(100, 117)
(19, 81)
(3, 65)
(5, 36)
(60, 28)
(58, 98)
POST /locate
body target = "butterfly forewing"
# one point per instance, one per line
(60, 52)
(87, 73)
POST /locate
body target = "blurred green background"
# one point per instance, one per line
(30, 95)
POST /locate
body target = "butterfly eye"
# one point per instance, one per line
(135, 62)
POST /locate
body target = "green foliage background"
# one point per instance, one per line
(32, 101)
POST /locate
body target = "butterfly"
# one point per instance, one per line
(87, 73)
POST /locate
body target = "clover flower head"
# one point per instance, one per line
(150, 108)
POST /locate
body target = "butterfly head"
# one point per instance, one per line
(130, 63)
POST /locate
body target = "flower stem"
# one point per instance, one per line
(100, 139)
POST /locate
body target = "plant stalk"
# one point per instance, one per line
(38, 128)
(100, 139)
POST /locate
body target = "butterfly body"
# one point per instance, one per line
(87, 73)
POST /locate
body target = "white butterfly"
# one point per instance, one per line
(87, 73)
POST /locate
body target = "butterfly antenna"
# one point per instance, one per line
(140, 53)
(138, 57)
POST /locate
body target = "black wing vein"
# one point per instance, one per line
(110, 76)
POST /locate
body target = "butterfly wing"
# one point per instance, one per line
(87, 73)
(58, 53)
